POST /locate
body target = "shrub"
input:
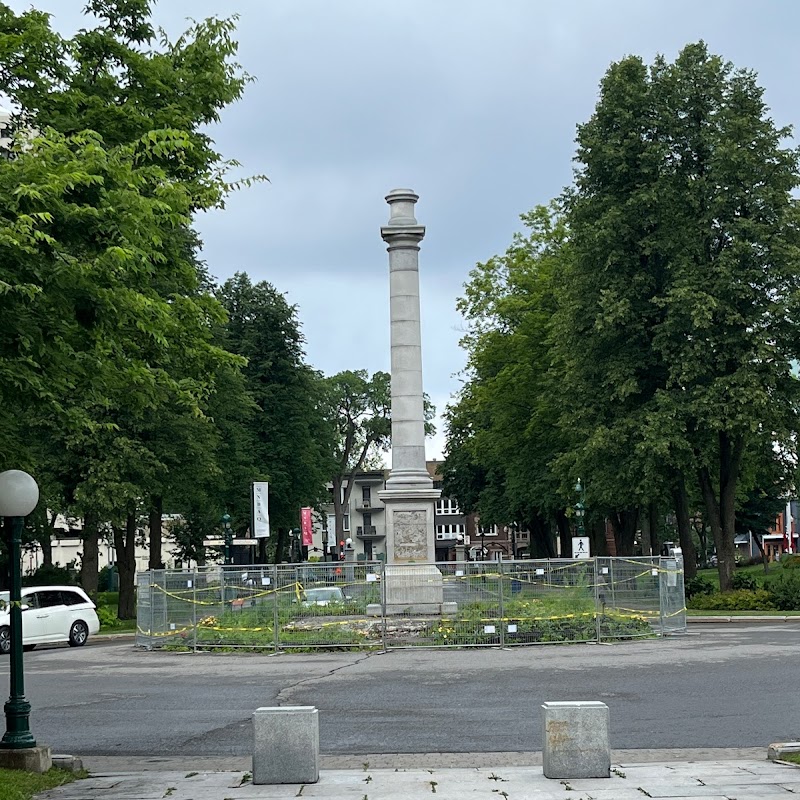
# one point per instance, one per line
(738, 600)
(743, 580)
(107, 580)
(791, 561)
(107, 617)
(697, 585)
(784, 591)
(51, 575)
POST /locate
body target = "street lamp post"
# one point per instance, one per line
(227, 533)
(580, 509)
(19, 495)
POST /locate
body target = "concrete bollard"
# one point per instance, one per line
(286, 745)
(575, 742)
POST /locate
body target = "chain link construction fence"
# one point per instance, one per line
(356, 604)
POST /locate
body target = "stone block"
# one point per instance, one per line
(413, 588)
(286, 745)
(31, 759)
(575, 740)
(67, 762)
(779, 750)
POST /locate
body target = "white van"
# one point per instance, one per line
(50, 614)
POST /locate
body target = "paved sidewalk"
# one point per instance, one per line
(740, 779)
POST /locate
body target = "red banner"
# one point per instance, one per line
(305, 524)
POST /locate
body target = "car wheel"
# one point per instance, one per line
(78, 634)
(5, 641)
(28, 647)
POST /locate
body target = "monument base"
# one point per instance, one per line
(412, 589)
(29, 759)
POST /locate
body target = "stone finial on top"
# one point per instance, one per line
(401, 202)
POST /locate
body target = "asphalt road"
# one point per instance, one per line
(720, 686)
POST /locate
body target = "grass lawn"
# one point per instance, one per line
(121, 626)
(18, 785)
(756, 571)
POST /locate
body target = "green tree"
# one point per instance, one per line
(358, 408)
(675, 316)
(128, 325)
(290, 443)
(357, 411)
(502, 432)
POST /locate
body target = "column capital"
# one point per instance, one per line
(402, 228)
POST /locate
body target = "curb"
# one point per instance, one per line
(740, 619)
(100, 764)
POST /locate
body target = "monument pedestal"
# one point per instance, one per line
(411, 584)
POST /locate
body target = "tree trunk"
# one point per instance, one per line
(760, 546)
(681, 501)
(280, 545)
(46, 540)
(125, 544)
(5, 561)
(647, 542)
(156, 511)
(90, 556)
(597, 537)
(625, 523)
(541, 544)
(721, 509)
(262, 550)
(653, 520)
(564, 533)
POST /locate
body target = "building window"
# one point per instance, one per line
(487, 530)
(345, 522)
(445, 505)
(366, 495)
(449, 531)
(367, 520)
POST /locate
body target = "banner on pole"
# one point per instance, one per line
(261, 510)
(306, 527)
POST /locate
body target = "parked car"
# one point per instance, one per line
(50, 614)
(323, 596)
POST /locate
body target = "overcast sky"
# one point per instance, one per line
(473, 104)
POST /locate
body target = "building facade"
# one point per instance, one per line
(365, 527)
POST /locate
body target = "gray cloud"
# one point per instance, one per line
(472, 104)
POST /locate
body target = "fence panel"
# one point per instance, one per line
(629, 603)
(550, 601)
(673, 598)
(368, 604)
(471, 614)
(329, 605)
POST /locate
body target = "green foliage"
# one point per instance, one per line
(53, 575)
(743, 580)
(105, 579)
(502, 435)
(738, 600)
(784, 591)
(641, 336)
(285, 439)
(697, 586)
(108, 618)
(791, 561)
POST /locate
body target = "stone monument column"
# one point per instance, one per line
(409, 495)
(412, 583)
